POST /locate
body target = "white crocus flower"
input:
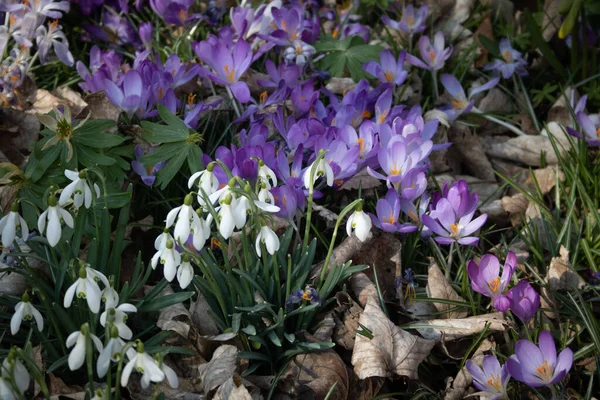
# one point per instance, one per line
(86, 287)
(13, 366)
(186, 219)
(145, 365)
(169, 258)
(120, 319)
(9, 224)
(77, 339)
(201, 232)
(360, 223)
(171, 376)
(54, 214)
(269, 238)
(267, 175)
(322, 169)
(112, 352)
(78, 189)
(208, 182)
(226, 220)
(24, 311)
(185, 272)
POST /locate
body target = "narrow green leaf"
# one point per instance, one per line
(164, 301)
(542, 45)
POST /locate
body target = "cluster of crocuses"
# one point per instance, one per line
(25, 28)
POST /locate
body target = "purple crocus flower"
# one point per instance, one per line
(289, 73)
(452, 228)
(492, 380)
(53, 38)
(524, 301)
(148, 174)
(299, 296)
(388, 214)
(462, 201)
(433, 55)
(539, 366)
(228, 64)
(389, 70)
(411, 22)
(460, 103)
(146, 31)
(486, 278)
(512, 61)
(590, 125)
(179, 73)
(396, 160)
(172, 11)
(130, 98)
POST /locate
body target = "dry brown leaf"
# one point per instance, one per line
(363, 180)
(391, 349)
(219, 369)
(340, 85)
(470, 152)
(561, 275)
(174, 318)
(325, 328)
(346, 324)
(363, 288)
(312, 375)
(484, 29)
(522, 149)
(451, 329)
(201, 318)
(99, 107)
(463, 379)
(551, 19)
(438, 287)
(232, 389)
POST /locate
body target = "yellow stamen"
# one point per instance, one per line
(338, 182)
(395, 170)
(298, 50)
(411, 21)
(545, 371)
(366, 114)
(390, 219)
(382, 115)
(53, 25)
(306, 295)
(458, 104)
(361, 145)
(229, 72)
(495, 382)
(388, 76)
(335, 32)
(454, 228)
(182, 16)
(214, 243)
(190, 99)
(413, 216)
(263, 97)
(598, 133)
(494, 285)
(507, 57)
(432, 55)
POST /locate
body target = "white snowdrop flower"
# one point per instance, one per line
(265, 195)
(54, 215)
(109, 296)
(207, 182)
(79, 189)
(323, 169)
(360, 223)
(6, 389)
(267, 175)
(185, 272)
(169, 258)
(9, 224)
(99, 393)
(13, 366)
(120, 317)
(77, 339)
(143, 364)
(24, 311)
(226, 220)
(224, 192)
(241, 211)
(186, 219)
(112, 352)
(170, 374)
(201, 232)
(269, 238)
(161, 240)
(86, 287)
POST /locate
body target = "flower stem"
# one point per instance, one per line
(435, 86)
(235, 107)
(449, 263)
(508, 126)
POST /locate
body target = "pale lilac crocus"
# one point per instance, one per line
(539, 366)
(524, 301)
(54, 38)
(492, 379)
(411, 22)
(129, 99)
(590, 126)
(148, 174)
(228, 64)
(451, 228)
(511, 62)
(433, 55)
(388, 214)
(487, 280)
(461, 103)
(388, 70)
(396, 161)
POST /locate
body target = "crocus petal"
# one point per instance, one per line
(547, 347)
(241, 92)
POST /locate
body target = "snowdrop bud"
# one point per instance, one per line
(360, 223)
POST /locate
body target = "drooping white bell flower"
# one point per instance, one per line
(360, 223)
(269, 238)
(77, 339)
(224, 193)
(9, 224)
(185, 272)
(6, 389)
(207, 182)
(186, 219)
(120, 319)
(110, 296)
(266, 175)
(201, 232)
(79, 189)
(54, 214)
(24, 311)
(322, 169)
(226, 220)
(13, 366)
(86, 287)
(161, 240)
(265, 195)
(169, 258)
(112, 352)
(171, 376)
(145, 365)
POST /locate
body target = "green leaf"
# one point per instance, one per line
(175, 131)
(491, 46)
(173, 166)
(164, 301)
(94, 127)
(114, 200)
(98, 140)
(350, 53)
(162, 153)
(194, 158)
(542, 45)
(91, 158)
